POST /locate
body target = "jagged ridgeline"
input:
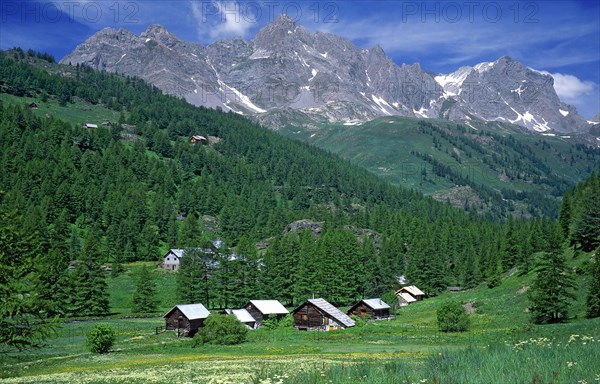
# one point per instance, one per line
(138, 186)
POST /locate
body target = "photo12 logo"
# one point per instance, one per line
(124, 12)
(468, 11)
(267, 11)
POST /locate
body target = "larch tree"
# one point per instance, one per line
(593, 296)
(144, 296)
(551, 293)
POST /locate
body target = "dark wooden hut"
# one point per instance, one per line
(186, 319)
(318, 314)
(373, 309)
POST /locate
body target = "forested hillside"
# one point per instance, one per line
(128, 191)
(493, 168)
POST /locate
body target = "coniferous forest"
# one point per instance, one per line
(84, 200)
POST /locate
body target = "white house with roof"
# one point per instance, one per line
(172, 259)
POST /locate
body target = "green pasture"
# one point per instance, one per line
(408, 349)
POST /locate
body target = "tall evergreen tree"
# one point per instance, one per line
(90, 296)
(22, 319)
(551, 292)
(196, 276)
(144, 296)
(564, 217)
(593, 296)
(586, 231)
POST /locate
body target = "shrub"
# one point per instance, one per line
(275, 323)
(452, 317)
(101, 338)
(221, 329)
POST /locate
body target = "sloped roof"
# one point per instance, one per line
(376, 303)
(270, 307)
(332, 311)
(243, 315)
(176, 252)
(191, 311)
(413, 290)
(407, 297)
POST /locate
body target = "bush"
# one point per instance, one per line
(452, 317)
(221, 329)
(275, 323)
(101, 338)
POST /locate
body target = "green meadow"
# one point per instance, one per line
(501, 346)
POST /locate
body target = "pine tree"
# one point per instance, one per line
(52, 282)
(551, 292)
(564, 217)
(22, 320)
(586, 231)
(593, 296)
(90, 296)
(195, 280)
(144, 296)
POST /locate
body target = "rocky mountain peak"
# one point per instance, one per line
(287, 71)
(273, 34)
(160, 34)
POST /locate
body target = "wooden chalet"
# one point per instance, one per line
(90, 126)
(320, 315)
(243, 316)
(186, 319)
(413, 291)
(198, 139)
(374, 309)
(405, 298)
(262, 310)
(32, 106)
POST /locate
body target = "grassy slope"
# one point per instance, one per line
(77, 113)
(142, 356)
(384, 146)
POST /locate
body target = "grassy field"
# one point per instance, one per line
(77, 113)
(501, 344)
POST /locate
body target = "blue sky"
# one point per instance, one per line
(561, 37)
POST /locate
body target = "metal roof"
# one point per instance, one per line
(243, 315)
(270, 307)
(176, 252)
(328, 308)
(407, 297)
(413, 290)
(191, 311)
(376, 303)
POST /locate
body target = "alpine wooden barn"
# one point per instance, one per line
(262, 310)
(373, 309)
(320, 315)
(186, 319)
(413, 291)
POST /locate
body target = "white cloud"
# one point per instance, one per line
(221, 19)
(571, 89)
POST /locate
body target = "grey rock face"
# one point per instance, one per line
(507, 91)
(286, 69)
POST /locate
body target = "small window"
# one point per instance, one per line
(168, 259)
